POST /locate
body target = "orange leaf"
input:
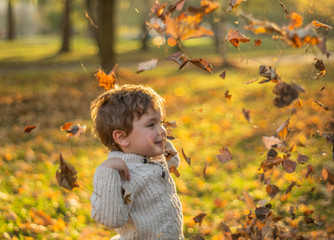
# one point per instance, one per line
(296, 20)
(107, 81)
(257, 42)
(235, 37)
(66, 126)
(282, 131)
(233, 4)
(174, 170)
(319, 24)
(227, 95)
(28, 129)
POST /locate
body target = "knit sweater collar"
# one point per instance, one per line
(128, 157)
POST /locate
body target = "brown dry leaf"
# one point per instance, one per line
(309, 170)
(262, 212)
(188, 159)
(169, 126)
(289, 166)
(302, 159)
(174, 170)
(233, 4)
(206, 8)
(199, 62)
(228, 95)
(269, 73)
(249, 200)
(223, 74)
(319, 65)
(28, 129)
(302, 36)
(287, 93)
(296, 20)
(319, 24)
(293, 183)
(257, 42)
(199, 218)
(66, 175)
(224, 156)
(224, 227)
(169, 154)
(246, 114)
(309, 220)
(271, 141)
(178, 57)
(258, 26)
(291, 212)
(126, 196)
(107, 81)
(272, 190)
(235, 37)
(282, 131)
(148, 65)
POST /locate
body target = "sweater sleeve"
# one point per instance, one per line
(107, 202)
(174, 160)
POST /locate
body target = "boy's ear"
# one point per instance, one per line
(120, 138)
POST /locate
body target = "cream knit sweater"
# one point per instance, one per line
(144, 208)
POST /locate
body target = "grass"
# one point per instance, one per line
(43, 92)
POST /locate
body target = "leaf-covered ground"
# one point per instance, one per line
(33, 206)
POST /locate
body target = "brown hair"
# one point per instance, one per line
(118, 108)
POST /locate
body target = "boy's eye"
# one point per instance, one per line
(151, 125)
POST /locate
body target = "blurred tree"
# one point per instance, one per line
(10, 21)
(145, 15)
(106, 33)
(66, 27)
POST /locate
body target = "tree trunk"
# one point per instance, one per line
(92, 26)
(66, 34)
(145, 34)
(106, 33)
(10, 21)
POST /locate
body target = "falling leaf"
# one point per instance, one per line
(249, 200)
(284, 7)
(199, 218)
(107, 81)
(271, 141)
(287, 93)
(223, 74)
(66, 175)
(269, 73)
(319, 24)
(262, 212)
(178, 57)
(148, 65)
(325, 107)
(224, 156)
(126, 196)
(199, 62)
(289, 166)
(296, 20)
(302, 159)
(235, 37)
(169, 126)
(174, 170)
(224, 227)
(282, 131)
(227, 95)
(246, 114)
(233, 4)
(291, 212)
(257, 42)
(28, 129)
(90, 20)
(76, 130)
(66, 126)
(251, 81)
(272, 190)
(169, 154)
(188, 160)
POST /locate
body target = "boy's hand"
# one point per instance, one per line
(119, 165)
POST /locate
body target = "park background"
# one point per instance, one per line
(46, 85)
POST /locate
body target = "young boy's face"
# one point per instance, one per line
(148, 135)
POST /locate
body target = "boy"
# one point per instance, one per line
(133, 190)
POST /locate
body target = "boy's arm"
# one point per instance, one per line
(108, 203)
(119, 165)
